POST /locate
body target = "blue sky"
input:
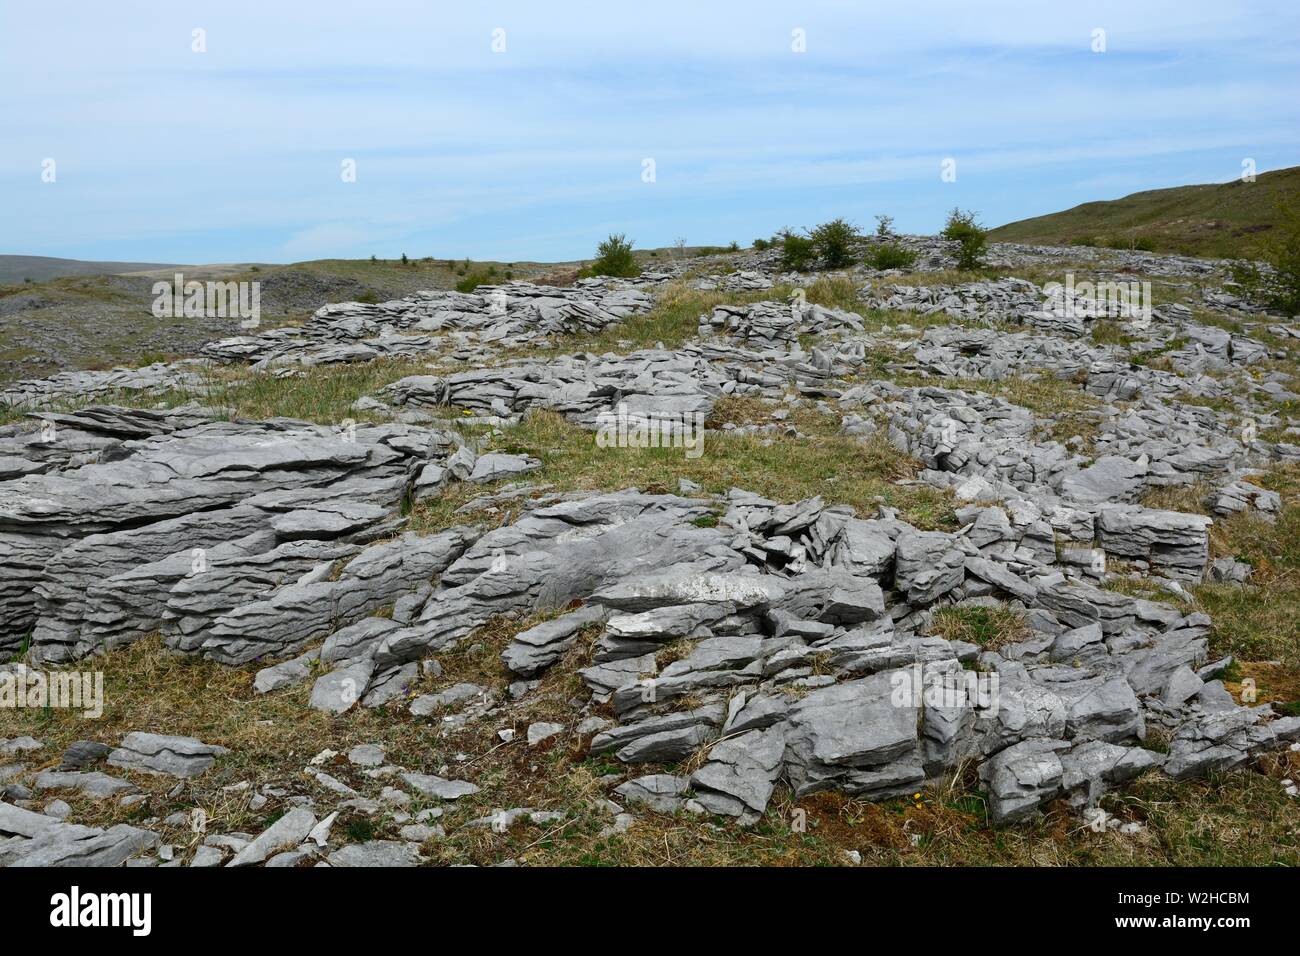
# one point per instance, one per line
(536, 152)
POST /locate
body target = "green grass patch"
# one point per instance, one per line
(839, 468)
(989, 627)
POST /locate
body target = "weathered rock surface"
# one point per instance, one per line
(161, 754)
(753, 643)
(34, 839)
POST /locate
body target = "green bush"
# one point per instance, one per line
(797, 252)
(834, 243)
(890, 255)
(964, 229)
(473, 280)
(614, 258)
(761, 244)
(884, 226)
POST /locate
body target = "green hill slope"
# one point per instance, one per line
(1219, 220)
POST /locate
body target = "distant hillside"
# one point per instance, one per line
(1220, 220)
(106, 319)
(40, 268)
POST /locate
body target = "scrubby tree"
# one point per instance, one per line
(890, 255)
(964, 229)
(884, 226)
(614, 258)
(834, 241)
(797, 252)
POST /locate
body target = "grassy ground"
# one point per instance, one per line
(782, 467)
(1259, 621)
(989, 627)
(322, 394)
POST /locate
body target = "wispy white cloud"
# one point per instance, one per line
(535, 152)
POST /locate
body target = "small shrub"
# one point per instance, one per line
(473, 280)
(761, 244)
(834, 242)
(405, 261)
(614, 258)
(884, 226)
(734, 247)
(360, 829)
(964, 229)
(890, 255)
(797, 252)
